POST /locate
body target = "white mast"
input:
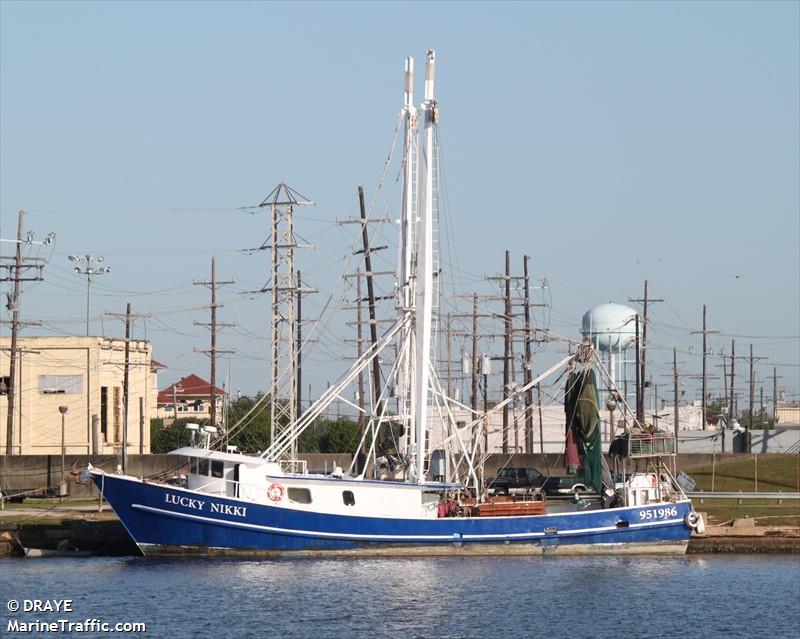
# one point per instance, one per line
(405, 276)
(424, 269)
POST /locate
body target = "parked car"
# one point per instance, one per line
(521, 480)
(515, 480)
(568, 484)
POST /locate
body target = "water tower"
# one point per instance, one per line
(612, 329)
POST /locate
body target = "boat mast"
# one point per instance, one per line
(424, 267)
(405, 276)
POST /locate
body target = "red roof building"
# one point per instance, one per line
(192, 395)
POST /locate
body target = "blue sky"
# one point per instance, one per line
(611, 142)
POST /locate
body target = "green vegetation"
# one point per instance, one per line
(166, 438)
(324, 436)
(775, 473)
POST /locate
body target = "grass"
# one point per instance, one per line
(775, 473)
(764, 512)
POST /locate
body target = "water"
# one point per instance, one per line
(727, 596)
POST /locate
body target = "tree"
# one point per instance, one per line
(338, 436)
(254, 435)
(163, 439)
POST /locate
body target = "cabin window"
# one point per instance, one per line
(202, 468)
(216, 468)
(299, 495)
(348, 498)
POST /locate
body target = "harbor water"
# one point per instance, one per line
(727, 596)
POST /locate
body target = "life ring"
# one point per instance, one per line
(695, 522)
(275, 492)
(654, 479)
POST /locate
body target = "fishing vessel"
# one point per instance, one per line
(418, 502)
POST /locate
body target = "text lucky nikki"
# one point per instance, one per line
(199, 504)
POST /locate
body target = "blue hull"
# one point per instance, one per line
(166, 520)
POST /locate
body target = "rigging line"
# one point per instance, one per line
(445, 208)
(386, 164)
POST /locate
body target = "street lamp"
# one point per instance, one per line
(86, 266)
(62, 487)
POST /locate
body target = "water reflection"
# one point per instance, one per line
(428, 597)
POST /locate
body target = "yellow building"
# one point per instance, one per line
(788, 414)
(86, 375)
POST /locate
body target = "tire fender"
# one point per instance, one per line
(694, 521)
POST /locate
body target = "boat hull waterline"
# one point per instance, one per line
(168, 520)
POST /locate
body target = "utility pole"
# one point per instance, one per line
(724, 375)
(639, 394)
(645, 301)
(126, 387)
(362, 422)
(371, 298)
(14, 304)
(128, 317)
(774, 396)
(213, 284)
(507, 338)
(373, 325)
(752, 398)
(526, 368)
(752, 393)
(732, 404)
(16, 273)
(541, 424)
(506, 349)
(474, 387)
(704, 399)
(675, 393)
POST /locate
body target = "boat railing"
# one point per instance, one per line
(650, 444)
(294, 466)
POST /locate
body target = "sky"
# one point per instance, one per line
(613, 143)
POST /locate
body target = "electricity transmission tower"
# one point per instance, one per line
(284, 289)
